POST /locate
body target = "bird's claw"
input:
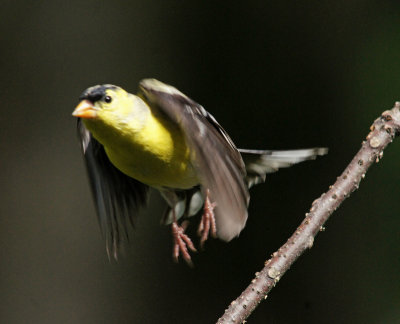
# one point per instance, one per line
(207, 224)
(181, 243)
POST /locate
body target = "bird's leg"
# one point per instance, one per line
(181, 241)
(207, 224)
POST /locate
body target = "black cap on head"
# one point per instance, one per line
(96, 93)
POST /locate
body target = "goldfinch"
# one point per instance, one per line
(162, 139)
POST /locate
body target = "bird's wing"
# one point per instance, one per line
(260, 162)
(117, 196)
(216, 159)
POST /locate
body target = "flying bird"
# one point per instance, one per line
(160, 138)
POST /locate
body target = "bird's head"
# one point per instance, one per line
(105, 109)
(99, 102)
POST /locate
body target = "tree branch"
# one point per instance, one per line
(383, 131)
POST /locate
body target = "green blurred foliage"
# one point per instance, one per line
(276, 75)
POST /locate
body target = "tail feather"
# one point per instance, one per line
(260, 162)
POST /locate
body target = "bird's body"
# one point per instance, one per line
(138, 146)
(160, 138)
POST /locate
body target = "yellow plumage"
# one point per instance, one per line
(141, 144)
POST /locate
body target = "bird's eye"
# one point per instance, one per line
(107, 99)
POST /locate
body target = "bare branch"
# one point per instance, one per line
(383, 131)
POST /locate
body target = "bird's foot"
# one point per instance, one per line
(207, 224)
(181, 243)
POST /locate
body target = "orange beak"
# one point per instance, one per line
(85, 109)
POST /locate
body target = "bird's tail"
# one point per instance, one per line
(260, 162)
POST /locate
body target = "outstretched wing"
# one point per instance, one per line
(260, 162)
(216, 159)
(117, 196)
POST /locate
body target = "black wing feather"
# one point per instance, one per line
(216, 159)
(117, 197)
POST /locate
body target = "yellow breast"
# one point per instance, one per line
(157, 155)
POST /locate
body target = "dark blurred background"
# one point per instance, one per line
(275, 74)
